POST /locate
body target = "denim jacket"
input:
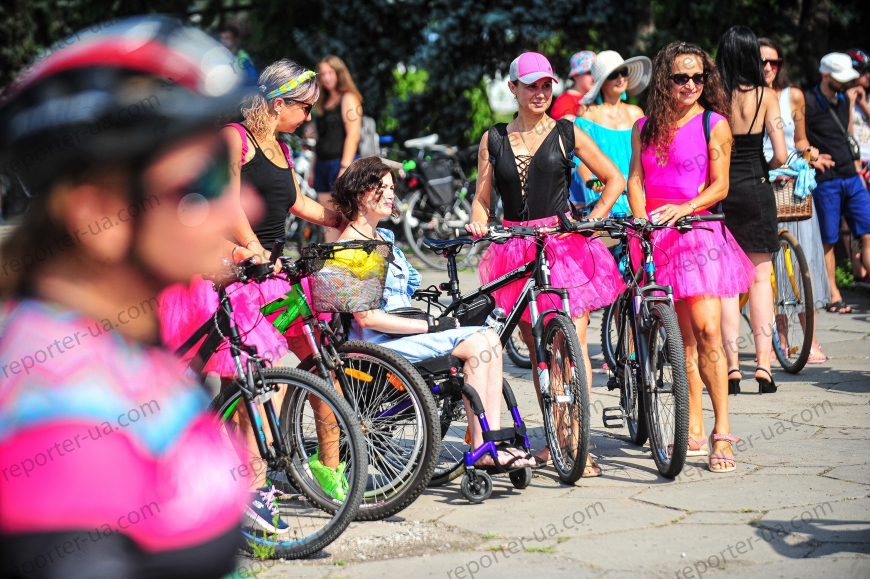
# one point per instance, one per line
(401, 283)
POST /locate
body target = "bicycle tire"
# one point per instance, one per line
(395, 481)
(609, 323)
(227, 402)
(518, 351)
(627, 372)
(418, 211)
(567, 380)
(791, 300)
(668, 439)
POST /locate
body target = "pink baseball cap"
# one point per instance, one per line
(531, 66)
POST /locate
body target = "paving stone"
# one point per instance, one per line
(732, 493)
(835, 521)
(859, 473)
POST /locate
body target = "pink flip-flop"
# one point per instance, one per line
(718, 458)
(817, 348)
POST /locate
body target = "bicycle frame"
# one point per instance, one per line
(214, 330)
(641, 298)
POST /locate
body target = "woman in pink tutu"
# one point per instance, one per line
(258, 161)
(684, 174)
(530, 161)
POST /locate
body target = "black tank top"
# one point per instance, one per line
(277, 190)
(330, 134)
(546, 185)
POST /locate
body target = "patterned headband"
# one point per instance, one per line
(289, 85)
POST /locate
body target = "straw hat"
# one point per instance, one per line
(606, 62)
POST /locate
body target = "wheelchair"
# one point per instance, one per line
(445, 378)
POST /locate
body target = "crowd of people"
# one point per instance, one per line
(711, 131)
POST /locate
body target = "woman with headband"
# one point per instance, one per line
(260, 161)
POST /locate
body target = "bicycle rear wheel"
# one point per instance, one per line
(311, 527)
(422, 221)
(794, 311)
(399, 420)
(666, 397)
(627, 372)
(565, 399)
(518, 351)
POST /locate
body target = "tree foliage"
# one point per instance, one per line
(447, 47)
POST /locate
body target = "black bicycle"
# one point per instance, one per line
(561, 371)
(241, 408)
(644, 347)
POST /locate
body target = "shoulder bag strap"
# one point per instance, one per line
(494, 141)
(244, 135)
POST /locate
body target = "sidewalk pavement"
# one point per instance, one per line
(798, 505)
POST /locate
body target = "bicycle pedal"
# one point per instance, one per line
(569, 398)
(613, 417)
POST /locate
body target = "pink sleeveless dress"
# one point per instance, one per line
(699, 262)
(184, 308)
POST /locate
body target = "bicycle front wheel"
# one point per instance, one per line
(627, 371)
(565, 399)
(422, 221)
(400, 426)
(666, 395)
(794, 312)
(610, 334)
(518, 351)
(311, 527)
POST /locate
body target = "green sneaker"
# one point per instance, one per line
(331, 481)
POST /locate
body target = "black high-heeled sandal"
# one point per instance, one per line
(765, 386)
(734, 383)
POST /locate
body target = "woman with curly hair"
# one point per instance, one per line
(677, 171)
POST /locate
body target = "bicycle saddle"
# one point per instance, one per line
(439, 245)
(422, 142)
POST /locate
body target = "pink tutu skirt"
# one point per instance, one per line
(183, 309)
(584, 267)
(699, 262)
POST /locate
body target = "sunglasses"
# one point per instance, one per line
(773, 62)
(212, 181)
(623, 72)
(681, 78)
(306, 107)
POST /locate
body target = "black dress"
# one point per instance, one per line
(750, 207)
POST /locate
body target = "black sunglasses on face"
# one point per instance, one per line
(623, 72)
(773, 62)
(681, 78)
(306, 107)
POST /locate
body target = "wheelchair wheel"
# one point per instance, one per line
(399, 421)
(476, 486)
(521, 478)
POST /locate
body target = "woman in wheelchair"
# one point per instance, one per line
(364, 194)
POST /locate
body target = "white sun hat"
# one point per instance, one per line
(606, 62)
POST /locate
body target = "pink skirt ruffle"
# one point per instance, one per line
(699, 262)
(585, 268)
(183, 309)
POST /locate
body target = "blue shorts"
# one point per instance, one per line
(419, 347)
(847, 197)
(325, 174)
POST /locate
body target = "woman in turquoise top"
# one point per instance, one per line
(609, 120)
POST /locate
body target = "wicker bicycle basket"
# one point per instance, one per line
(349, 276)
(790, 207)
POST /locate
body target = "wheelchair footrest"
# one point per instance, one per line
(613, 417)
(504, 434)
